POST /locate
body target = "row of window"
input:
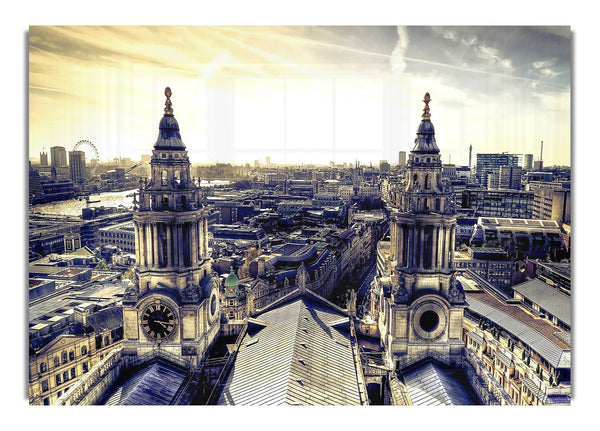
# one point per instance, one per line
(64, 357)
(64, 377)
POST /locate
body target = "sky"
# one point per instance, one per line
(302, 94)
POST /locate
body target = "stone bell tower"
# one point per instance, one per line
(173, 304)
(419, 303)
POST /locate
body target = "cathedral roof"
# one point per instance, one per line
(299, 353)
(425, 140)
(168, 135)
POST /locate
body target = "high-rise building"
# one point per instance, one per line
(384, 167)
(528, 161)
(402, 158)
(418, 303)
(173, 305)
(490, 163)
(77, 166)
(509, 177)
(58, 157)
(44, 158)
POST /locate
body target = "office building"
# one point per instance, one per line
(489, 163)
(77, 168)
(509, 177)
(58, 157)
(402, 158)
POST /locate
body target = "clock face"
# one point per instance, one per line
(158, 321)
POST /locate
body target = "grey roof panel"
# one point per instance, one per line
(155, 384)
(550, 299)
(556, 356)
(431, 385)
(299, 359)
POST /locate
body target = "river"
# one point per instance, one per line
(73, 207)
(124, 199)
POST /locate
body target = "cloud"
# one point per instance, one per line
(493, 56)
(397, 59)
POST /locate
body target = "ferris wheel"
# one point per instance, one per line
(88, 145)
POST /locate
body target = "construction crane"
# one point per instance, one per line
(102, 188)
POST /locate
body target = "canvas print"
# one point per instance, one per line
(299, 215)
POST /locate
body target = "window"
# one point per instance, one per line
(164, 177)
(46, 401)
(84, 366)
(44, 385)
(71, 355)
(65, 376)
(56, 361)
(73, 375)
(64, 357)
(58, 380)
(106, 341)
(43, 367)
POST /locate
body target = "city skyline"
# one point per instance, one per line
(302, 94)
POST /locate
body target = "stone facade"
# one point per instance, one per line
(173, 303)
(418, 303)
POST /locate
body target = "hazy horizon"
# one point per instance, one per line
(302, 94)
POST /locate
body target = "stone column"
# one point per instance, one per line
(442, 246)
(148, 244)
(205, 235)
(138, 255)
(410, 250)
(175, 246)
(156, 262)
(180, 242)
(421, 246)
(440, 238)
(400, 248)
(393, 240)
(434, 246)
(199, 238)
(451, 248)
(194, 235)
(169, 246)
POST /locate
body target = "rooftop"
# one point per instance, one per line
(547, 297)
(300, 354)
(431, 385)
(537, 333)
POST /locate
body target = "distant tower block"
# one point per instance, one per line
(470, 153)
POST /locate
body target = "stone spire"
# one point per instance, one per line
(425, 141)
(168, 107)
(168, 134)
(426, 114)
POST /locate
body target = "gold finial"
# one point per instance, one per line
(168, 107)
(426, 114)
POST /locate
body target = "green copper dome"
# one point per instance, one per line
(232, 280)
